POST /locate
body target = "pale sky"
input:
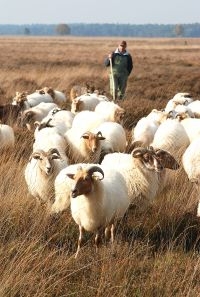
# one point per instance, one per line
(22, 12)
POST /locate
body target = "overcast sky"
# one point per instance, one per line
(99, 11)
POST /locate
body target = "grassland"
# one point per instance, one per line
(155, 253)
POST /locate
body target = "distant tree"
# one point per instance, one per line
(63, 29)
(27, 31)
(179, 30)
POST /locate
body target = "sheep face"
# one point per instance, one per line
(119, 115)
(76, 105)
(41, 92)
(46, 160)
(49, 91)
(20, 98)
(84, 180)
(148, 158)
(27, 118)
(166, 159)
(92, 141)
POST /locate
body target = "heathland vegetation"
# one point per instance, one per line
(155, 253)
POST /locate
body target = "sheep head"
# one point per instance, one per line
(84, 179)
(167, 160)
(148, 158)
(20, 98)
(49, 91)
(46, 163)
(41, 92)
(76, 104)
(119, 115)
(92, 140)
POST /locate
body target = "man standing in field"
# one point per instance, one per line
(121, 65)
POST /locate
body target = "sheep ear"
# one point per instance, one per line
(70, 175)
(167, 160)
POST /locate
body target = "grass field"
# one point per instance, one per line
(156, 253)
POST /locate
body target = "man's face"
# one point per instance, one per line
(122, 48)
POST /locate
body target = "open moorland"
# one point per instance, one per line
(155, 253)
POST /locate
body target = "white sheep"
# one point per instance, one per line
(144, 131)
(86, 102)
(87, 120)
(192, 127)
(57, 96)
(157, 116)
(179, 98)
(7, 136)
(194, 108)
(48, 138)
(115, 138)
(63, 185)
(40, 173)
(98, 198)
(60, 118)
(37, 113)
(171, 136)
(30, 100)
(144, 172)
(110, 111)
(83, 147)
(191, 165)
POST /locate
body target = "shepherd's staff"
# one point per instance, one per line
(113, 81)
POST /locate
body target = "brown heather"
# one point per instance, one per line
(156, 253)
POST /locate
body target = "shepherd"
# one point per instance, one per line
(121, 65)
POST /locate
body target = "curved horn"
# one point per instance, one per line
(45, 125)
(138, 152)
(53, 151)
(93, 169)
(86, 134)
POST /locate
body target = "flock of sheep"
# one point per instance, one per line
(81, 158)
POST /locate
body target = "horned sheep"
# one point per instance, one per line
(110, 111)
(48, 138)
(86, 102)
(98, 198)
(143, 171)
(7, 136)
(29, 116)
(57, 96)
(83, 147)
(40, 173)
(115, 138)
(29, 100)
(60, 118)
(190, 161)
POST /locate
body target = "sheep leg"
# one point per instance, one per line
(107, 233)
(112, 233)
(198, 209)
(97, 240)
(79, 240)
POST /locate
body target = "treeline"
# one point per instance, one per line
(148, 30)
